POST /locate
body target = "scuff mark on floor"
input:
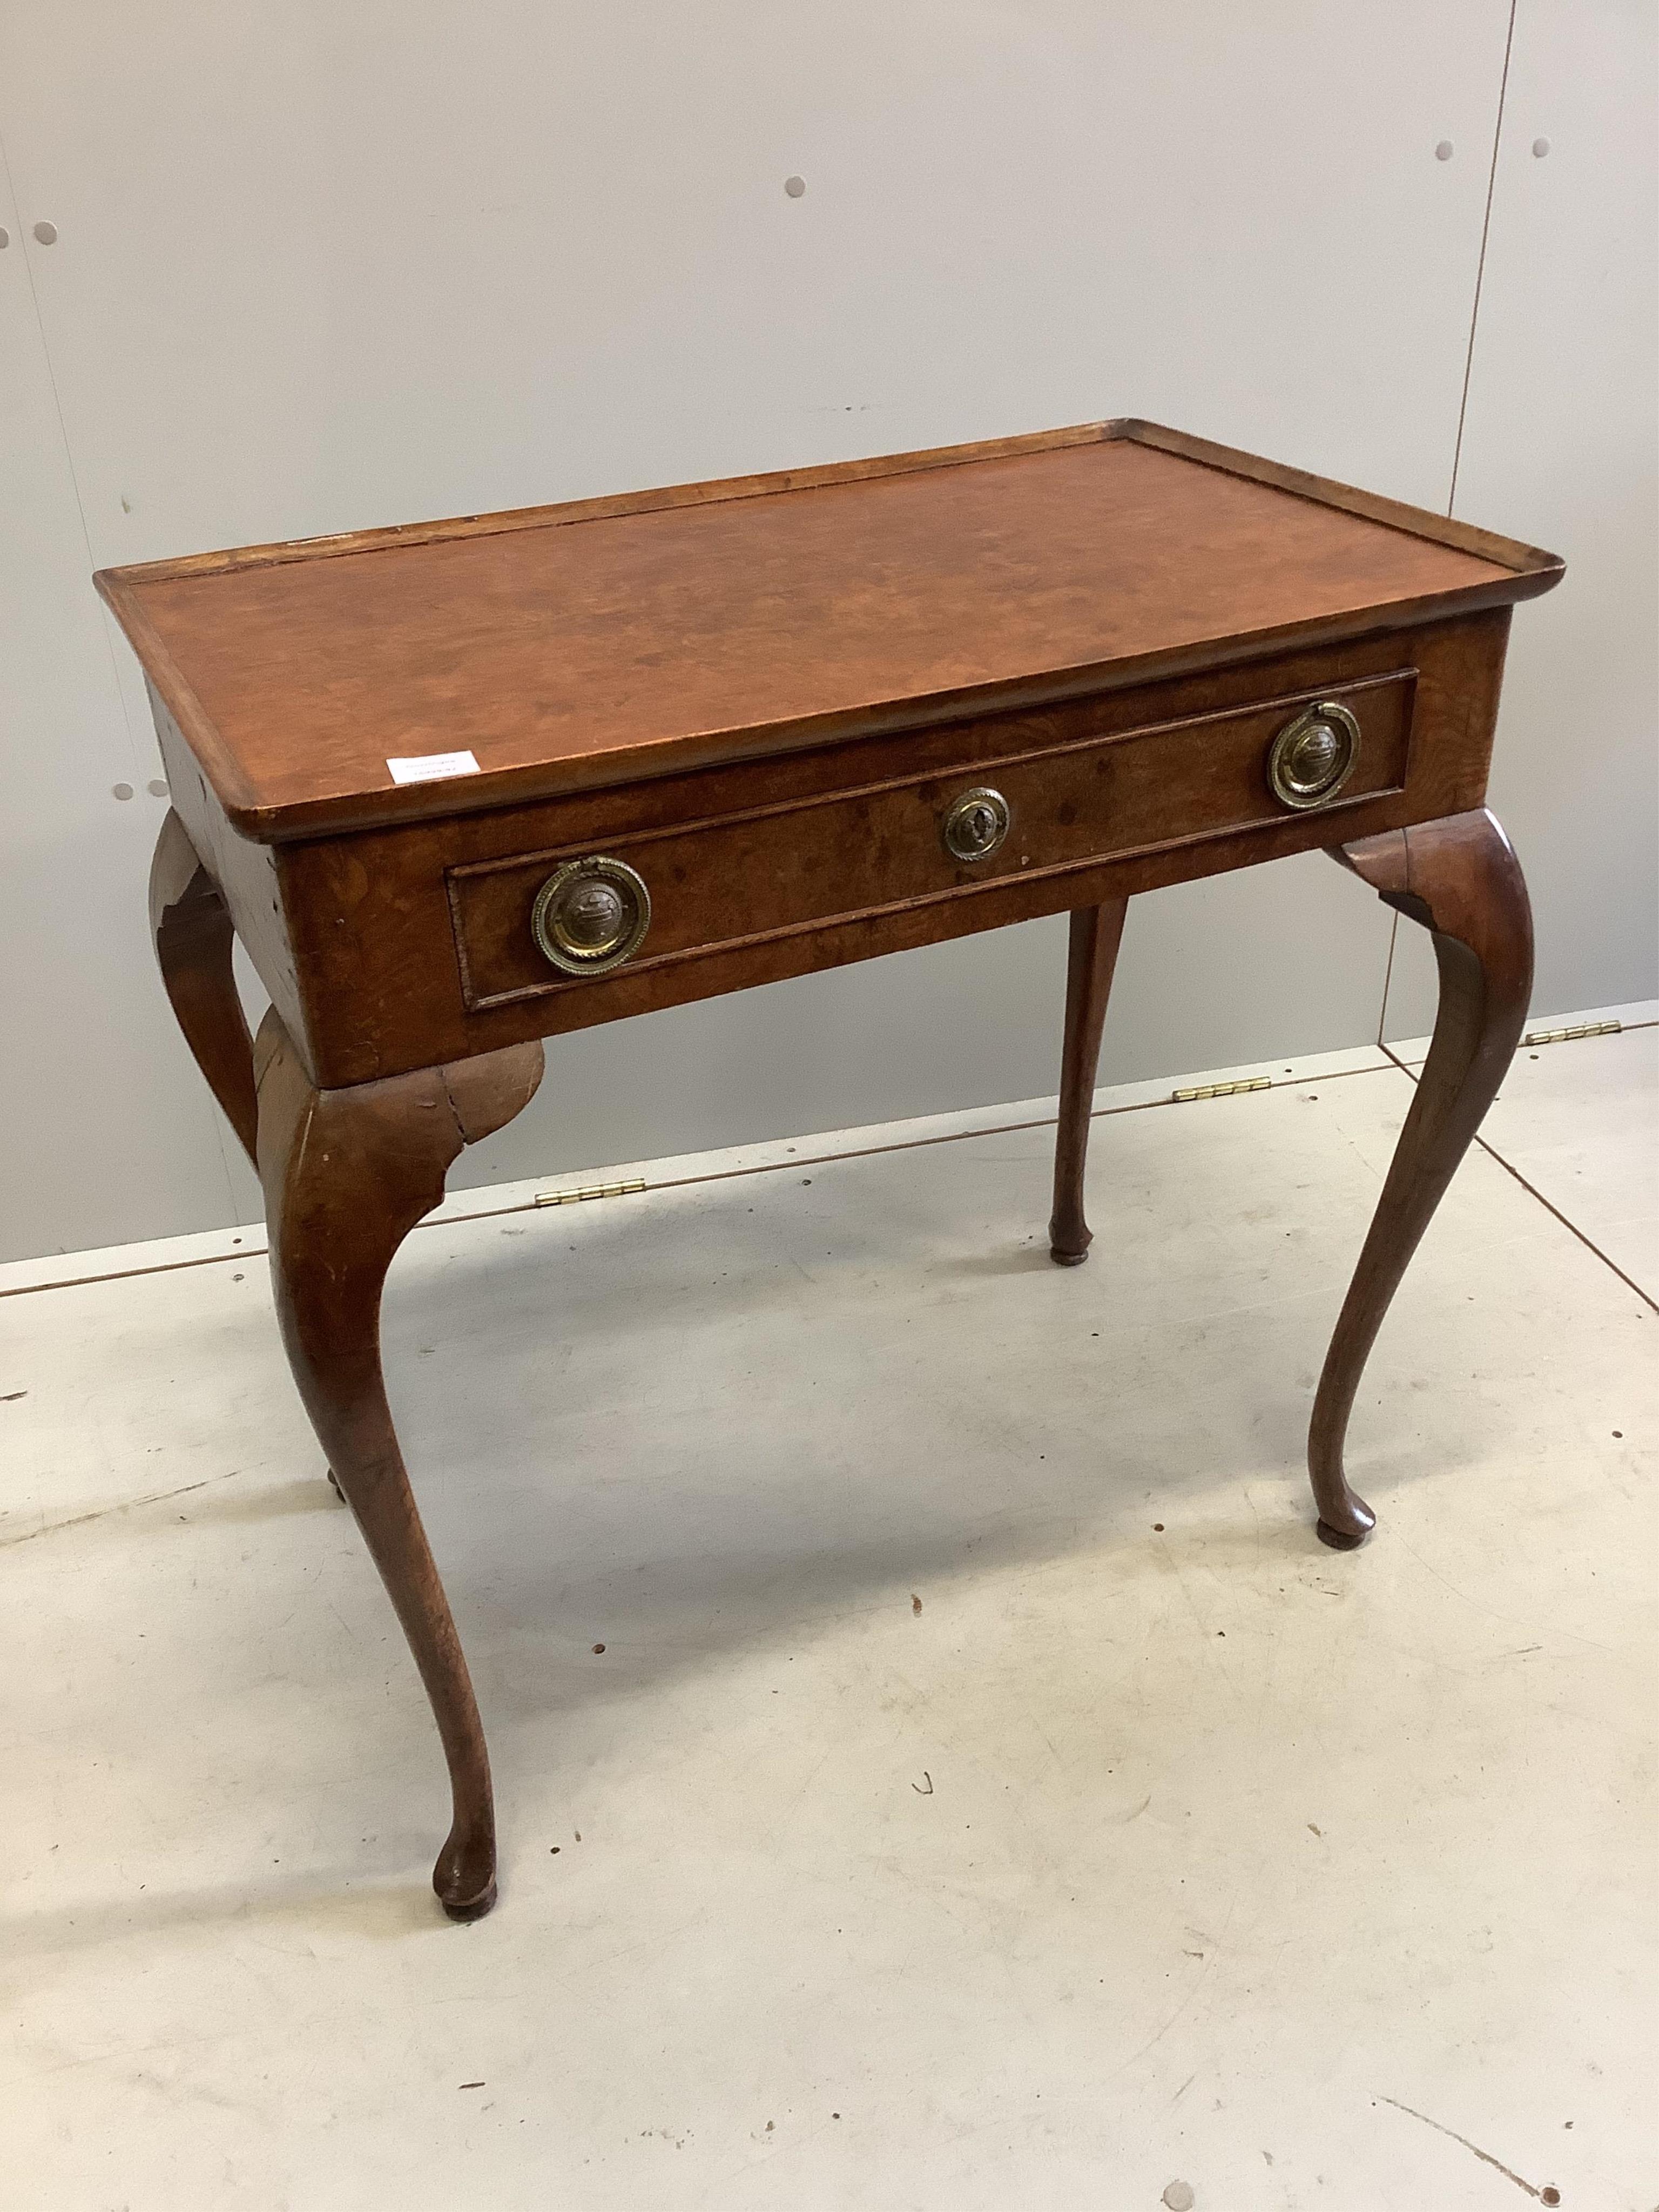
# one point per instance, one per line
(1544, 2195)
(123, 1505)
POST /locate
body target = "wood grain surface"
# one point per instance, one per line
(347, 1174)
(580, 647)
(1460, 878)
(1096, 933)
(194, 939)
(397, 948)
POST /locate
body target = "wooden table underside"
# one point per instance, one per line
(410, 998)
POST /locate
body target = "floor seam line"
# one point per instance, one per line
(1388, 978)
(1532, 1191)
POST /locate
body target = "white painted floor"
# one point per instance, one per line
(988, 1793)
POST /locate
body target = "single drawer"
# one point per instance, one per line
(560, 919)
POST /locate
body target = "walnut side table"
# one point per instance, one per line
(654, 748)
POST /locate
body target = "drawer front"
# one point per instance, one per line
(774, 872)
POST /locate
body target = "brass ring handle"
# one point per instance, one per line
(975, 825)
(590, 914)
(1314, 755)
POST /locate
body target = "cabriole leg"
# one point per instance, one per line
(1460, 878)
(1096, 933)
(193, 940)
(347, 1174)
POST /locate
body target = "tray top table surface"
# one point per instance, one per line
(589, 644)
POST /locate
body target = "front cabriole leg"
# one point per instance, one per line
(1458, 877)
(347, 1174)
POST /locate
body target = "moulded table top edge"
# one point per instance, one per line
(1525, 571)
(489, 792)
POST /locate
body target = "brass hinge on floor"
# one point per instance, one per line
(1219, 1090)
(1580, 1030)
(588, 1190)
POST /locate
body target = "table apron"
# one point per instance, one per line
(390, 950)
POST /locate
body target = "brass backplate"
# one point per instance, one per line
(590, 914)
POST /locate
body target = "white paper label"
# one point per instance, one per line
(428, 768)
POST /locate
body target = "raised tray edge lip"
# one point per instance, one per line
(609, 507)
(1415, 521)
(1537, 569)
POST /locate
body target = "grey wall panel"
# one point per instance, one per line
(319, 268)
(108, 1130)
(1561, 446)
